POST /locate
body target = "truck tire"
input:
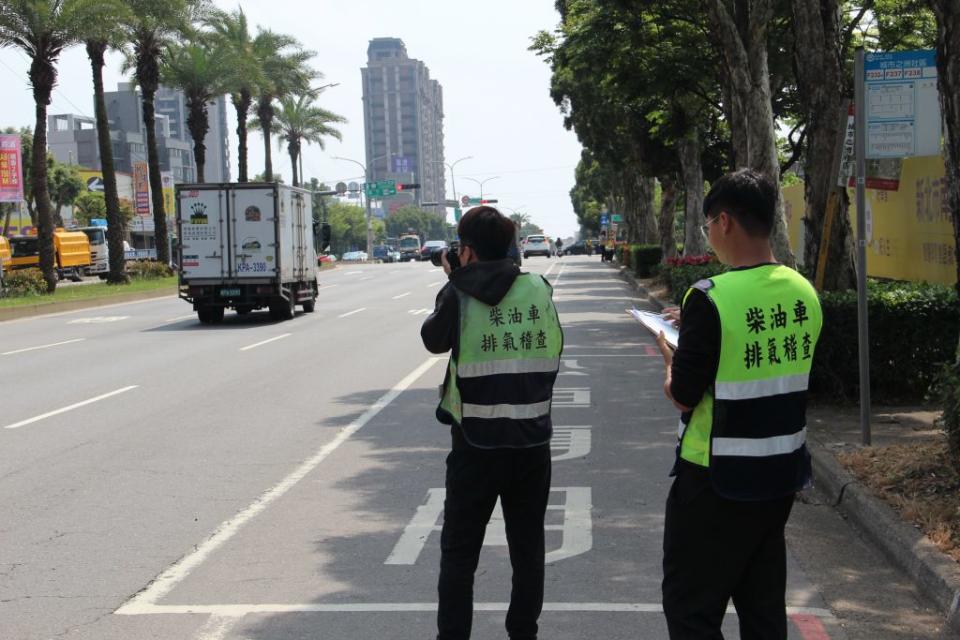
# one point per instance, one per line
(283, 309)
(309, 305)
(210, 314)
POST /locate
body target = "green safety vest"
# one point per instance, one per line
(499, 387)
(750, 426)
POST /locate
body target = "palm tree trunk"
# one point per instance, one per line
(43, 76)
(199, 124)
(156, 181)
(96, 50)
(242, 104)
(294, 153)
(265, 113)
(7, 213)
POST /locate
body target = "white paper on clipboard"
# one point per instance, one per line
(655, 323)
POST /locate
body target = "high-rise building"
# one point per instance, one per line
(403, 122)
(173, 104)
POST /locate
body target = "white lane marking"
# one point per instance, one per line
(98, 320)
(352, 312)
(43, 346)
(327, 286)
(23, 423)
(573, 397)
(576, 530)
(546, 274)
(260, 344)
(365, 278)
(433, 284)
(570, 442)
(166, 581)
(562, 269)
(239, 610)
(419, 312)
(575, 368)
(218, 626)
(352, 273)
(59, 314)
(179, 318)
(402, 295)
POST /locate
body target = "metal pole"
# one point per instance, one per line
(862, 315)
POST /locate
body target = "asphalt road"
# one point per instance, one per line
(258, 480)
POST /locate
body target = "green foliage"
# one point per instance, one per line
(25, 282)
(89, 205)
(65, 185)
(148, 270)
(913, 333)
(530, 229)
(948, 392)
(348, 228)
(682, 273)
(644, 258)
(426, 224)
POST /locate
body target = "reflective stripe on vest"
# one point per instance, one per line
(498, 367)
(511, 411)
(750, 389)
(759, 447)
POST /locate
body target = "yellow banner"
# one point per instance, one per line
(910, 234)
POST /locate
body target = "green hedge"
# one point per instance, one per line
(682, 273)
(913, 334)
(645, 258)
(148, 270)
(25, 282)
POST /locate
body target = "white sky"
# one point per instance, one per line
(496, 93)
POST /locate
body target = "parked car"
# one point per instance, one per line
(386, 254)
(537, 246)
(575, 249)
(326, 257)
(430, 246)
(354, 256)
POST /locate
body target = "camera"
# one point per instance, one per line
(452, 256)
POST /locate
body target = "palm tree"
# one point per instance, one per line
(519, 218)
(232, 33)
(42, 29)
(151, 26)
(101, 34)
(299, 120)
(201, 69)
(284, 73)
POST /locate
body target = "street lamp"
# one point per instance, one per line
(481, 183)
(366, 177)
(453, 181)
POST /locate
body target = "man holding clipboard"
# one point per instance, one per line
(739, 376)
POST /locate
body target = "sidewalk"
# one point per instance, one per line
(834, 439)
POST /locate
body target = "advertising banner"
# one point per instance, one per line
(141, 189)
(11, 170)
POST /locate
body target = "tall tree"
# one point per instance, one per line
(200, 67)
(741, 28)
(102, 33)
(285, 72)
(232, 31)
(151, 26)
(42, 29)
(299, 120)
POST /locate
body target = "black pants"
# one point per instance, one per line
(475, 479)
(715, 550)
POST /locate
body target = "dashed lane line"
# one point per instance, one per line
(43, 346)
(23, 423)
(267, 341)
(346, 315)
(402, 295)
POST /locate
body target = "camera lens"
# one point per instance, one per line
(435, 257)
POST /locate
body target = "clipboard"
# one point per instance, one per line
(655, 323)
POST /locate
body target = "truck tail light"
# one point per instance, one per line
(196, 291)
(265, 290)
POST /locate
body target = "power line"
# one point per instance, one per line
(79, 111)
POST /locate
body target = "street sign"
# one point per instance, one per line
(902, 104)
(617, 217)
(353, 187)
(604, 219)
(341, 188)
(450, 203)
(474, 201)
(380, 189)
(465, 201)
(457, 213)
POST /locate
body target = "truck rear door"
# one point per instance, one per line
(202, 222)
(254, 232)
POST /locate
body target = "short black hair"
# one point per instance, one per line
(487, 231)
(747, 195)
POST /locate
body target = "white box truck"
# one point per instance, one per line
(247, 246)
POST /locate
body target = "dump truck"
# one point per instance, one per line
(247, 246)
(72, 253)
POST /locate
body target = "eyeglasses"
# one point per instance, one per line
(705, 228)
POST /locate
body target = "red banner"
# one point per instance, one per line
(141, 188)
(11, 169)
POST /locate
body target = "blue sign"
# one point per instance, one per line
(604, 219)
(902, 104)
(98, 222)
(402, 164)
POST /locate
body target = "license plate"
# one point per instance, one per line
(226, 293)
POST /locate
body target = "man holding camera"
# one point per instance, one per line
(505, 339)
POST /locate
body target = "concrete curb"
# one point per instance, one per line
(935, 573)
(27, 311)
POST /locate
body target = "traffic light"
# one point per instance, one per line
(408, 186)
(493, 201)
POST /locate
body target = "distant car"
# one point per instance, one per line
(354, 256)
(386, 254)
(575, 249)
(537, 246)
(325, 257)
(430, 246)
